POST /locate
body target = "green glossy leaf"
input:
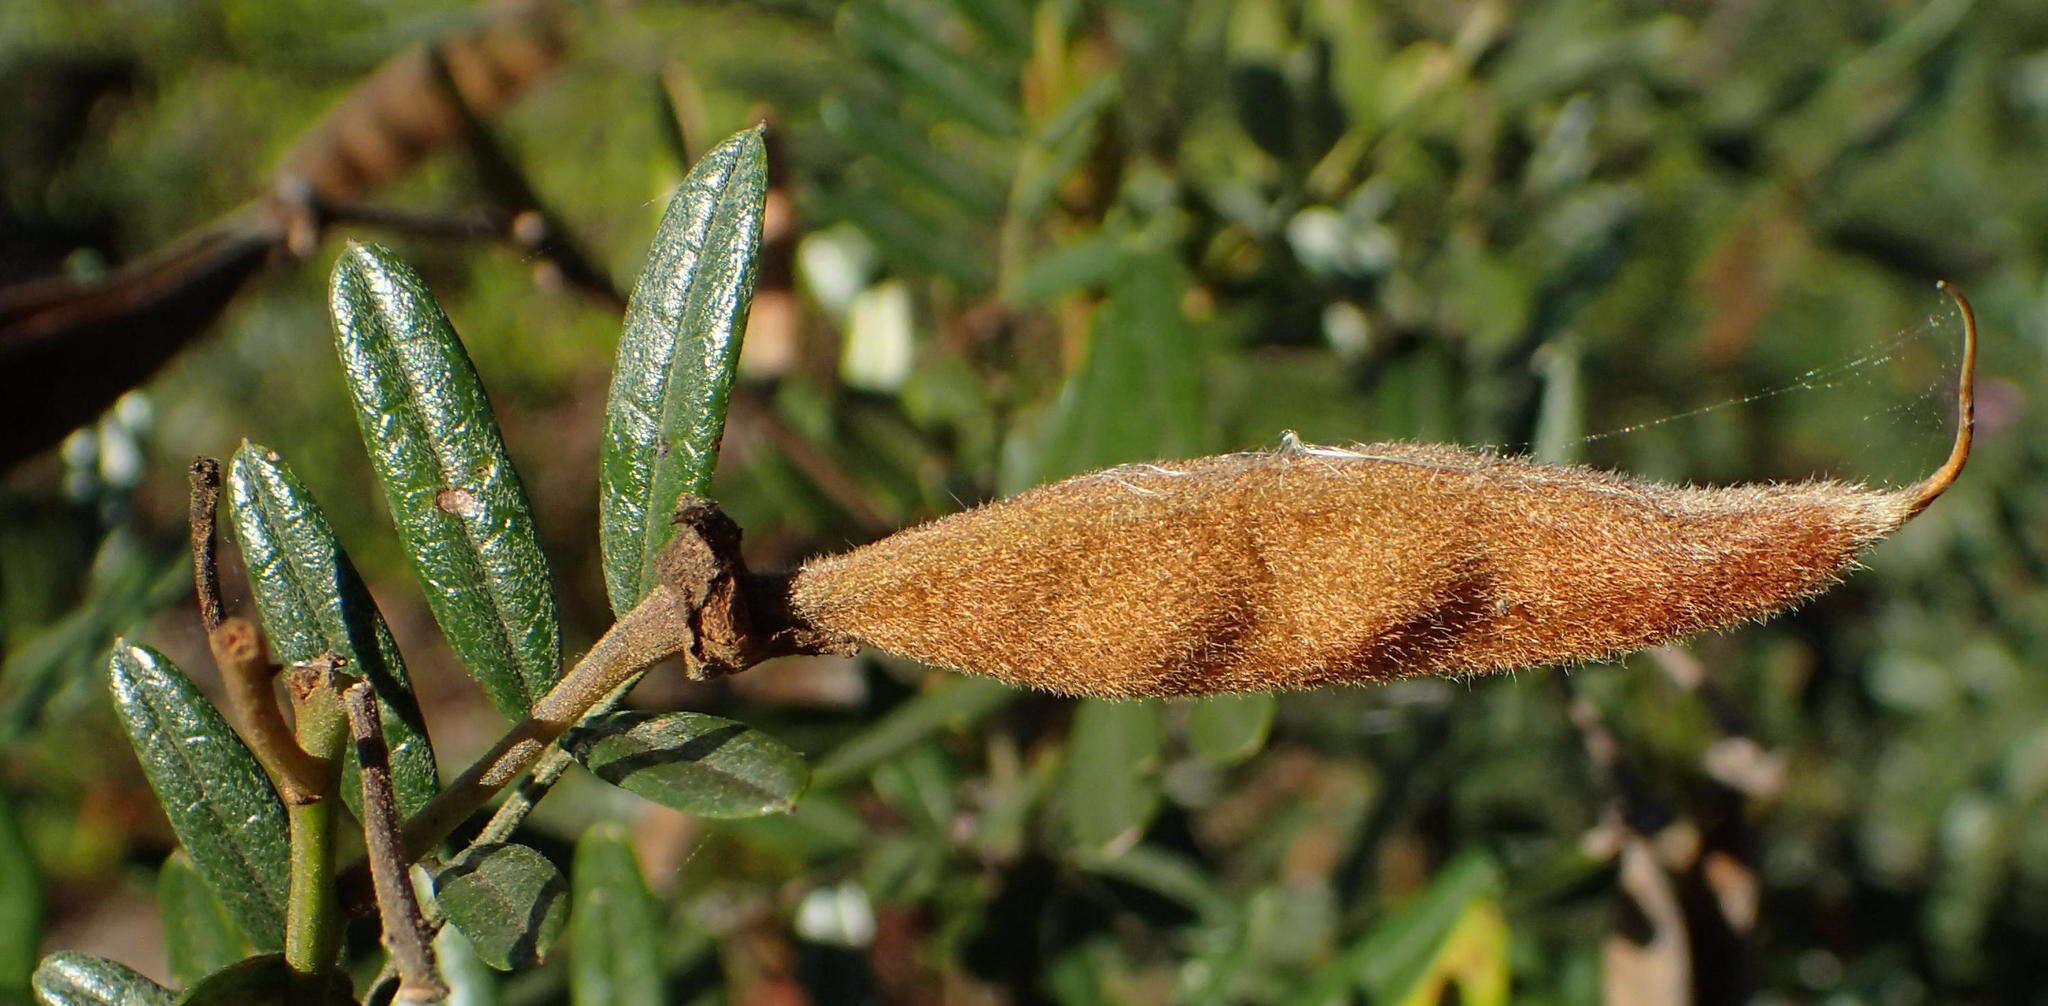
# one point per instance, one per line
(615, 932)
(1227, 729)
(313, 602)
(79, 980)
(1110, 786)
(220, 803)
(199, 935)
(21, 905)
(680, 347)
(507, 899)
(266, 981)
(458, 505)
(692, 762)
(954, 703)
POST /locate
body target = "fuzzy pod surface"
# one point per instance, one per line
(1311, 566)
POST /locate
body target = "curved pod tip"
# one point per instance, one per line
(1931, 488)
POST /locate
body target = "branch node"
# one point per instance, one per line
(246, 671)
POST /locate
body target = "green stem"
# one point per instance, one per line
(313, 919)
(546, 772)
(312, 933)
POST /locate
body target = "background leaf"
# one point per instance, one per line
(79, 980)
(954, 702)
(471, 982)
(129, 580)
(616, 929)
(680, 346)
(507, 899)
(692, 762)
(1110, 785)
(199, 935)
(954, 80)
(1138, 395)
(1227, 729)
(21, 905)
(313, 602)
(458, 504)
(1395, 956)
(1473, 959)
(220, 803)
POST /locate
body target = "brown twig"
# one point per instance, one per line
(205, 561)
(68, 349)
(246, 672)
(244, 662)
(535, 226)
(405, 928)
(481, 225)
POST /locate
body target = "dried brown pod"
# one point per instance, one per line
(401, 111)
(1311, 566)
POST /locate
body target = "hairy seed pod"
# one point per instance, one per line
(1311, 566)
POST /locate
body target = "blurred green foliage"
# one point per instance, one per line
(1032, 238)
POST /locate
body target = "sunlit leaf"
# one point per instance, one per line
(677, 355)
(1473, 958)
(1398, 955)
(79, 980)
(692, 762)
(222, 806)
(313, 602)
(508, 900)
(458, 505)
